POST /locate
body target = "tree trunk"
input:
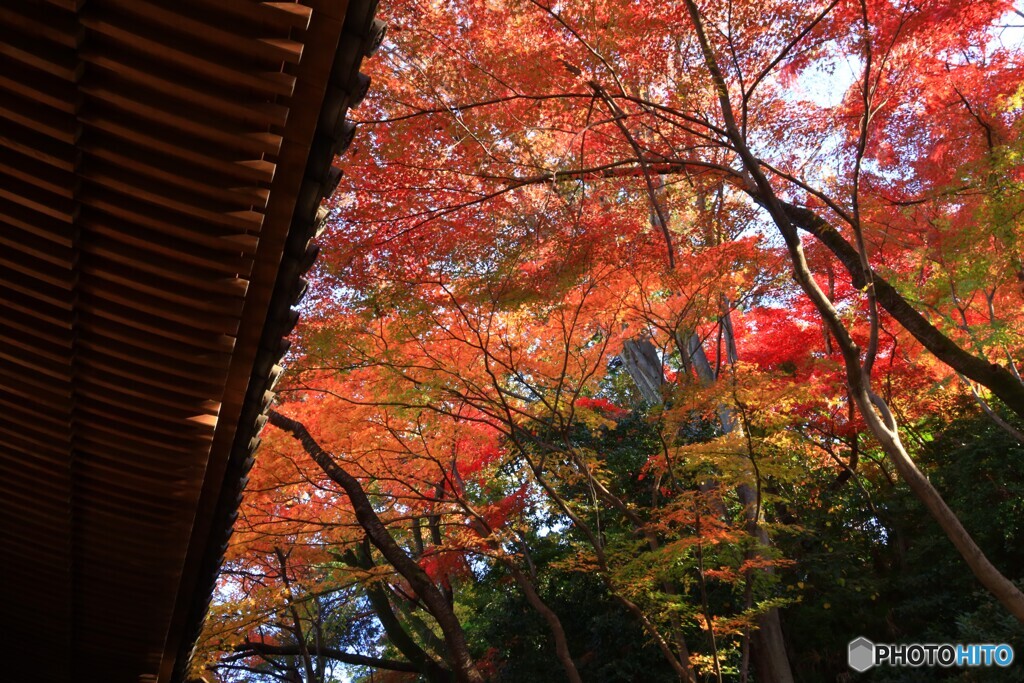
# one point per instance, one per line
(768, 650)
(433, 599)
(553, 622)
(396, 633)
(641, 361)
(1001, 381)
(987, 574)
(881, 424)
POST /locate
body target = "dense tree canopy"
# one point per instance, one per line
(652, 341)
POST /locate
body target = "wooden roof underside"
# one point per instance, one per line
(162, 163)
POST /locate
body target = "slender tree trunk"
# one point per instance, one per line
(435, 602)
(881, 423)
(434, 524)
(683, 670)
(553, 622)
(768, 650)
(680, 664)
(987, 574)
(529, 588)
(300, 636)
(396, 633)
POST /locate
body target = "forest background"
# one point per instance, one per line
(652, 342)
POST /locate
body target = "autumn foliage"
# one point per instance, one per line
(625, 308)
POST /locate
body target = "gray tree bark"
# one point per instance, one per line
(641, 361)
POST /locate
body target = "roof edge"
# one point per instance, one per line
(361, 35)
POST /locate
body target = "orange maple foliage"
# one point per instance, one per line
(537, 185)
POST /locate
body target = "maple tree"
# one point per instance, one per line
(627, 292)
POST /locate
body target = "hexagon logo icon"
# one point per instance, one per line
(861, 655)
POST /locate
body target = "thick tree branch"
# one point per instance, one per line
(257, 648)
(399, 637)
(875, 411)
(433, 599)
(995, 377)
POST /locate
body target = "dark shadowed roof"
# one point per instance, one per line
(162, 164)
